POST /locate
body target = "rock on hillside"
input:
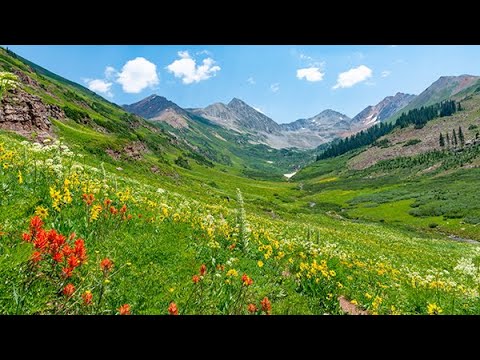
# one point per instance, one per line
(25, 113)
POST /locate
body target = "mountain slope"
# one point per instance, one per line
(446, 87)
(158, 108)
(382, 111)
(239, 116)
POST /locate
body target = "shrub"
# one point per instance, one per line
(412, 142)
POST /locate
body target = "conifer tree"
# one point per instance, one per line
(442, 141)
(454, 138)
(461, 138)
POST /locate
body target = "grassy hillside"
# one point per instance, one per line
(84, 232)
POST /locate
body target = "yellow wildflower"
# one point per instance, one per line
(434, 309)
(354, 302)
(95, 211)
(232, 272)
(368, 296)
(260, 263)
(20, 177)
(41, 212)
(56, 198)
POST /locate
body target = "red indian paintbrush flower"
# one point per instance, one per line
(58, 257)
(203, 269)
(68, 290)
(26, 237)
(124, 309)
(172, 309)
(106, 265)
(67, 272)
(80, 251)
(266, 305)
(87, 297)
(123, 210)
(252, 308)
(73, 262)
(195, 279)
(35, 224)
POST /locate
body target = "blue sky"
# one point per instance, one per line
(286, 82)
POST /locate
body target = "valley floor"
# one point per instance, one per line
(80, 237)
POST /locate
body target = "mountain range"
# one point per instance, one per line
(242, 118)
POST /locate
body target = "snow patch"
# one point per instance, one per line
(288, 176)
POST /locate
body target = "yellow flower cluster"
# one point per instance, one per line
(95, 212)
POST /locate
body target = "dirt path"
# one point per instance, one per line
(349, 308)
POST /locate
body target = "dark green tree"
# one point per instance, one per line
(442, 141)
(461, 138)
(448, 140)
(454, 138)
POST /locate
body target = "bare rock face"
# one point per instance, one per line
(25, 113)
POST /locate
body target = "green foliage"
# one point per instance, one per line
(412, 142)
(384, 143)
(183, 162)
(8, 81)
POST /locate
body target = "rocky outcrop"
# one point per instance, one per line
(25, 113)
(131, 151)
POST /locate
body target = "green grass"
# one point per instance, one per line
(374, 236)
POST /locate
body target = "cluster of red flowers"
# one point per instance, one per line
(203, 270)
(124, 309)
(265, 304)
(88, 199)
(123, 210)
(172, 309)
(247, 280)
(106, 264)
(231, 247)
(51, 244)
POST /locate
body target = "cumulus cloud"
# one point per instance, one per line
(385, 73)
(353, 76)
(310, 74)
(99, 86)
(275, 87)
(251, 80)
(187, 69)
(137, 74)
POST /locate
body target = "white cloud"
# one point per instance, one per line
(137, 74)
(187, 69)
(259, 110)
(110, 72)
(99, 86)
(385, 73)
(275, 87)
(310, 74)
(251, 80)
(353, 76)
